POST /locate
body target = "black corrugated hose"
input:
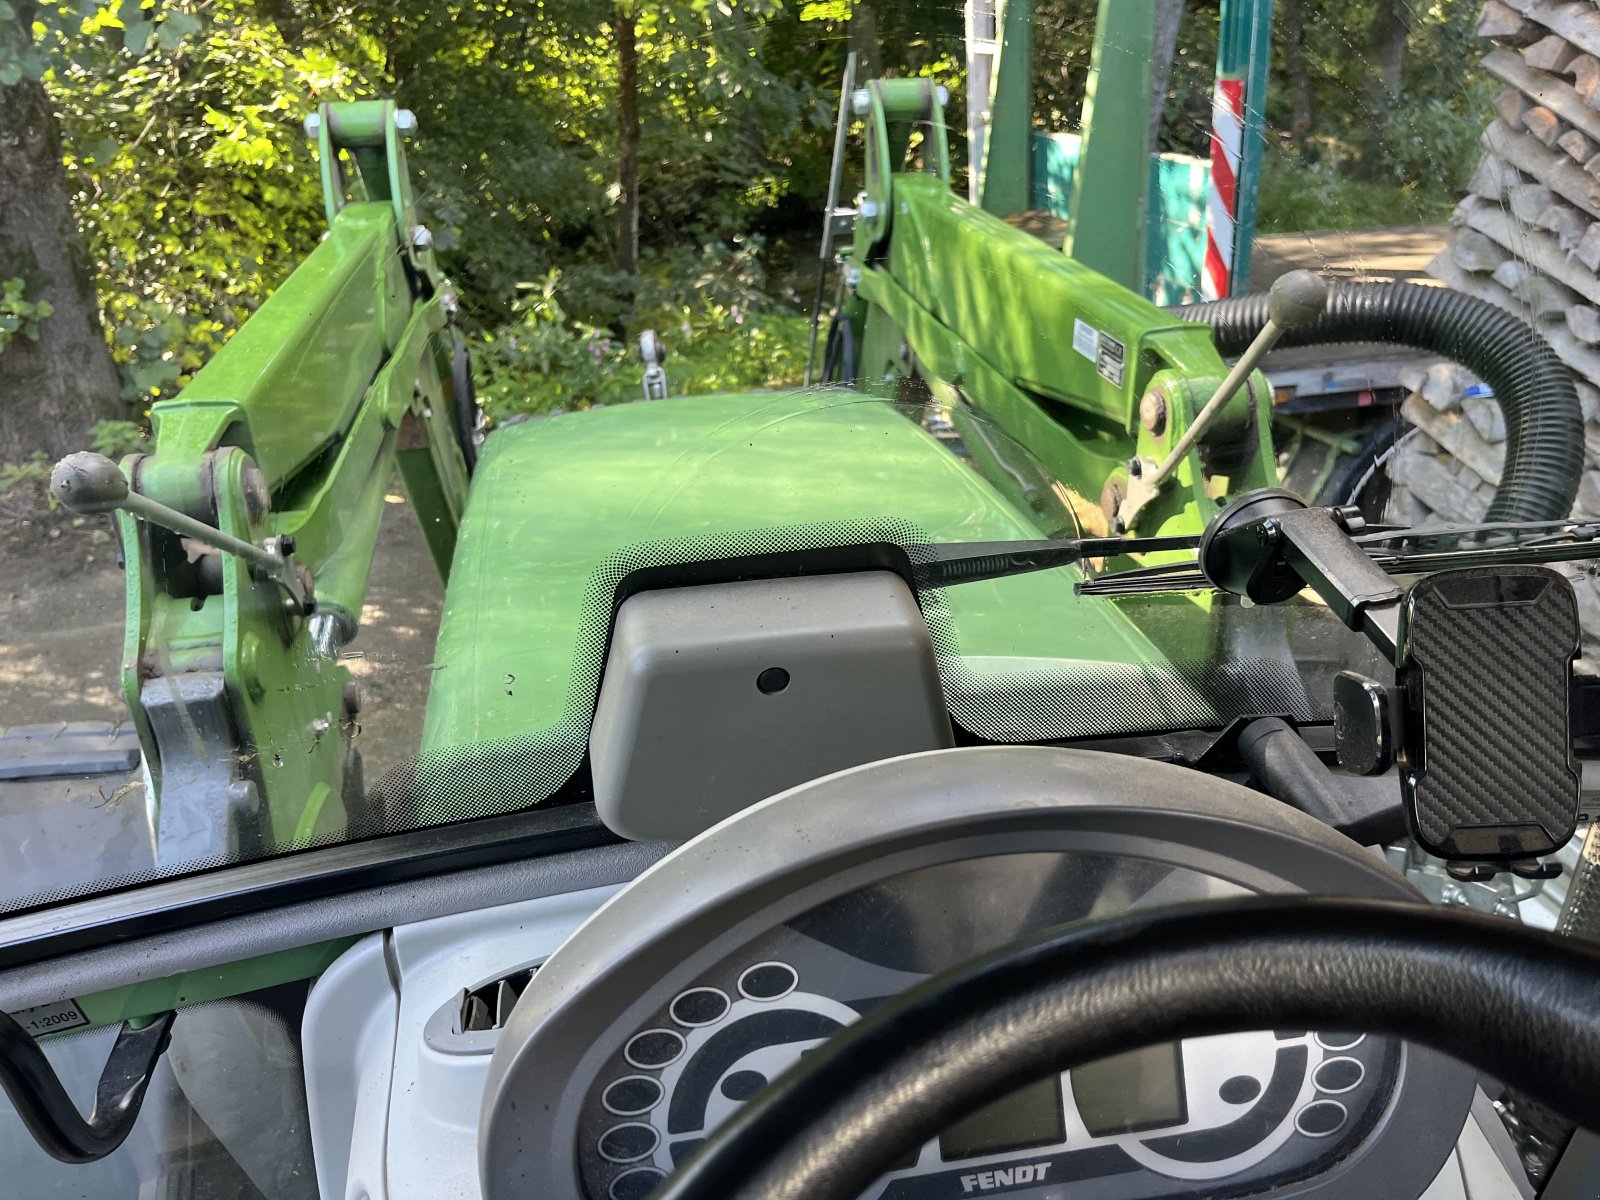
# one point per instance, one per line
(1544, 421)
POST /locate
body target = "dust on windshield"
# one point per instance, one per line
(415, 330)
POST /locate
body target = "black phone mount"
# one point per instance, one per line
(1480, 715)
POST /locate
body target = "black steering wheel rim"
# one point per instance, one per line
(1519, 1004)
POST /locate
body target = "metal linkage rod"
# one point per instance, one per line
(91, 483)
(1297, 298)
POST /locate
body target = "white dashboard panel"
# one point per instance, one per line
(391, 1117)
(394, 1118)
(347, 1040)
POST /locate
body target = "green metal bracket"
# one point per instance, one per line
(1070, 380)
(893, 109)
(1006, 188)
(1111, 200)
(374, 133)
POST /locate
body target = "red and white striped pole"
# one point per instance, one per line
(1222, 201)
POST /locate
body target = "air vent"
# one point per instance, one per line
(470, 1021)
(488, 1006)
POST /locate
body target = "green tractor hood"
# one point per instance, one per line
(563, 507)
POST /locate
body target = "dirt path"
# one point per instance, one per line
(1399, 253)
(61, 626)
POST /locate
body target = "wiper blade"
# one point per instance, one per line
(950, 563)
(1398, 550)
(1171, 577)
(1549, 541)
(1522, 552)
(1379, 535)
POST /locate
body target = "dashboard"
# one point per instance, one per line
(582, 1045)
(1236, 1112)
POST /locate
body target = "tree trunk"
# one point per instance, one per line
(864, 40)
(627, 139)
(1169, 16)
(1292, 23)
(52, 390)
(1386, 47)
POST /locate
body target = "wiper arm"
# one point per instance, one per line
(1399, 551)
(1378, 534)
(1394, 550)
(949, 563)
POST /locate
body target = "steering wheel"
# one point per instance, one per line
(1521, 1005)
(1203, 917)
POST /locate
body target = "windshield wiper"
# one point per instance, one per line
(1398, 551)
(949, 563)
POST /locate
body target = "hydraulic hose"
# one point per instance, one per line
(1544, 421)
(1367, 811)
(46, 1109)
(839, 351)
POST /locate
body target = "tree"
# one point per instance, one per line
(54, 387)
(627, 31)
(1169, 18)
(1386, 47)
(1291, 21)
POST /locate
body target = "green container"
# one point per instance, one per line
(1176, 229)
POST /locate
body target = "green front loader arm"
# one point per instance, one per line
(1085, 373)
(292, 432)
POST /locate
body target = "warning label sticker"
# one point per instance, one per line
(1111, 360)
(51, 1018)
(1085, 340)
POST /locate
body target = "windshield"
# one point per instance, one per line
(618, 290)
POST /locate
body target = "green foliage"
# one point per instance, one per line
(115, 439)
(131, 27)
(718, 122)
(1435, 139)
(708, 305)
(28, 476)
(198, 191)
(195, 185)
(1371, 157)
(1297, 195)
(18, 315)
(25, 485)
(1427, 131)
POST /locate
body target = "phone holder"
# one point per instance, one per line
(1485, 674)
(1480, 717)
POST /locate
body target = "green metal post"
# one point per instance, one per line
(1006, 186)
(1111, 200)
(1244, 54)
